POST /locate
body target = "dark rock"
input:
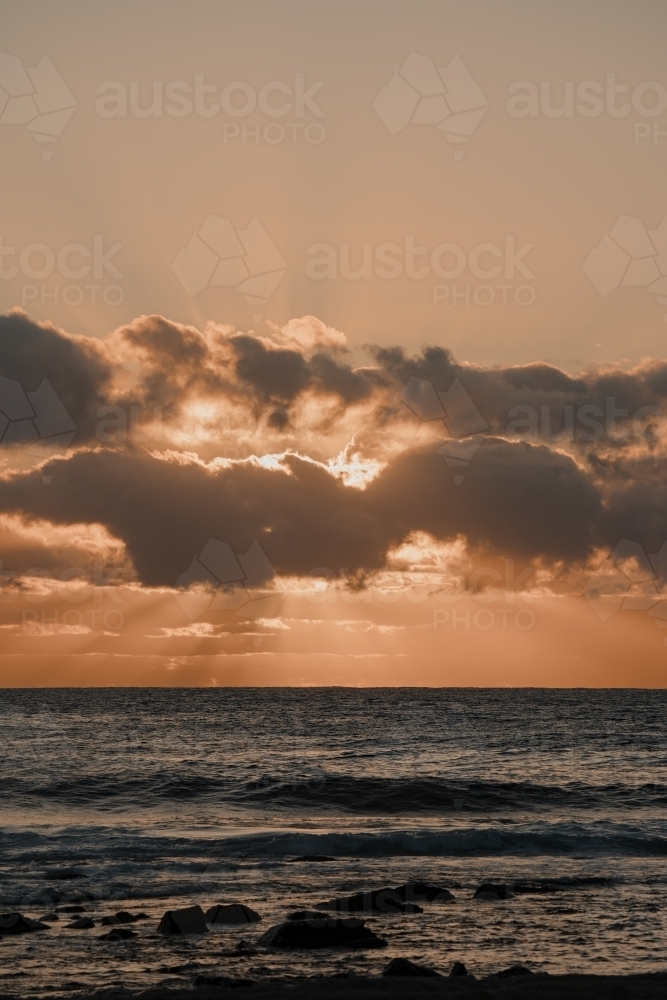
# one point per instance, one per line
(404, 967)
(404, 899)
(313, 857)
(78, 897)
(118, 934)
(81, 924)
(458, 969)
(123, 917)
(63, 874)
(71, 909)
(234, 914)
(50, 918)
(375, 901)
(514, 970)
(189, 920)
(325, 933)
(16, 923)
(379, 900)
(492, 891)
(412, 892)
(244, 948)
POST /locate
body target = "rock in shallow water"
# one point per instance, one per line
(458, 969)
(492, 891)
(411, 892)
(234, 914)
(403, 899)
(325, 933)
(118, 934)
(16, 923)
(404, 967)
(81, 924)
(514, 970)
(189, 920)
(123, 917)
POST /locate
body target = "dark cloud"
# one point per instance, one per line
(530, 501)
(158, 366)
(516, 500)
(165, 512)
(175, 362)
(77, 368)
(274, 374)
(606, 406)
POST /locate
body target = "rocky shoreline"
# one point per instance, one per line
(336, 924)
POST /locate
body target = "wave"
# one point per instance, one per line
(540, 840)
(325, 791)
(561, 839)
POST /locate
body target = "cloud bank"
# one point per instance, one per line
(345, 457)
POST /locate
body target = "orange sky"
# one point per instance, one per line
(340, 292)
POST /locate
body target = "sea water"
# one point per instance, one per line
(151, 799)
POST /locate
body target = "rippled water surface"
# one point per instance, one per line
(149, 799)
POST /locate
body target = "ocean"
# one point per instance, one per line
(150, 799)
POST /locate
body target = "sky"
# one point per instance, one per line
(332, 343)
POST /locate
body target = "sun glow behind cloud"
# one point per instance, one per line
(240, 504)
